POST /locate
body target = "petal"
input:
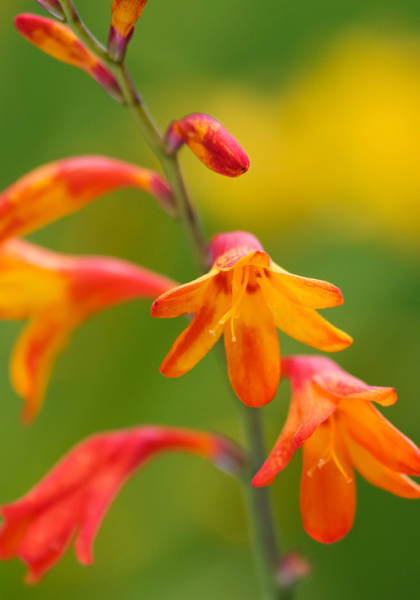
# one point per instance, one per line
(308, 409)
(187, 298)
(345, 386)
(195, 341)
(307, 326)
(62, 187)
(327, 494)
(368, 428)
(254, 358)
(125, 13)
(34, 356)
(225, 249)
(313, 293)
(377, 474)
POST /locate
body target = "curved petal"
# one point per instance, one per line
(377, 474)
(254, 357)
(34, 356)
(308, 409)
(345, 386)
(198, 338)
(226, 249)
(328, 492)
(307, 326)
(186, 299)
(368, 428)
(313, 293)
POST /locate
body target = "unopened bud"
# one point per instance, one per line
(293, 568)
(53, 7)
(125, 13)
(211, 143)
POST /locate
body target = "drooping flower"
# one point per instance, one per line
(125, 14)
(53, 7)
(58, 40)
(332, 416)
(73, 498)
(62, 187)
(57, 293)
(246, 296)
(211, 143)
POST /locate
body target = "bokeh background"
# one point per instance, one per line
(325, 97)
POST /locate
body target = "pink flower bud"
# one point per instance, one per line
(53, 7)
(211, 143)
(125, 13)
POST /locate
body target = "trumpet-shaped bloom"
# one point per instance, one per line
(125, 14)
(73, 498)
(211, 143)
(246, 296)
(57, 293)
(62, 187)
(53, 7)
(331, 414)
(58, 40)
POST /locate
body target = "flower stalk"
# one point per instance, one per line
(258, 501)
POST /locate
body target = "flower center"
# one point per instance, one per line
(239, 284)
(330, 454)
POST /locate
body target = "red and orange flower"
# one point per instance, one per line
(332, 416)
(73, 498)
(245, 296)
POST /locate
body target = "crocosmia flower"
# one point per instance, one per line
(61, 43)
(211, 143)
(332, 416)
(71, 501)
(125, 13)
(62, 187)
(56, 294)
(245, 296)
(53, 7)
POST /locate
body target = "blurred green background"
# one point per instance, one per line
(325, 97)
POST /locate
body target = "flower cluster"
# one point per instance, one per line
(245, 297)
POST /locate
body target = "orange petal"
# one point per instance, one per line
(307, 326)
(195, 341)
(254, 358)
(313, 293)
(308, 409)
(60, 188)
(226, 249)
(327, 494)
(34, 356)
(185, 299)
(377, 474)
(345, 386)
(368, 428)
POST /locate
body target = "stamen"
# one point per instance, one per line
(266, 288)
(330, 454)
(240, 290)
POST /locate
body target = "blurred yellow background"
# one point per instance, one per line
(325, 98)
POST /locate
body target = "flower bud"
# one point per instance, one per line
(125, 13)
(53, 7)
(211, 143)
(60, 42)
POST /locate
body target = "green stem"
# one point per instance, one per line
(258, 499)
(260, 512)
(149, 131)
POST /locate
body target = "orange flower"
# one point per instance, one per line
(57, 293)
(61, 43)
(62, 187)
(125, 13)
(332, 416)
(210, 142)
(74, 497)
(246, 296)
